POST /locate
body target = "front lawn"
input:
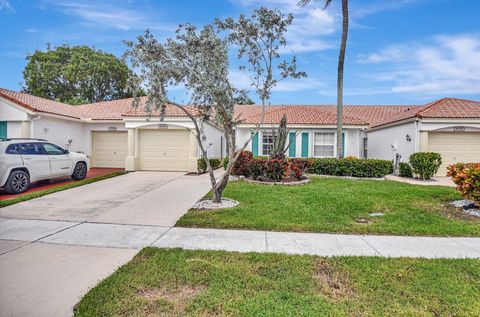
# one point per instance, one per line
(340, 206)
(159, 282)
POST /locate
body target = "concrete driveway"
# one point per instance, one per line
(43, 269)
(144, 198)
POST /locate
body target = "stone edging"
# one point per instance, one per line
(350, 177)
(298, 183)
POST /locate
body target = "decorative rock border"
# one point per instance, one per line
(297, 183)
(207, 204)
(464, 204)
(349, 177)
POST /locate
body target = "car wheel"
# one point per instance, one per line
(80, 171)
(17, 182)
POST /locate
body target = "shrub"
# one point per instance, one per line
(425, 164)
(467, 178)
(240, 167)
(202, 164)
(405, 170)
(297, 167)
(356, 168)
(277, 170)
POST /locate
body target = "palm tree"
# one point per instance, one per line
(341, 61)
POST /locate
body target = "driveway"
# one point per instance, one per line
(43, 269)
(143, 198)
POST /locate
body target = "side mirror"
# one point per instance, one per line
(66, 151)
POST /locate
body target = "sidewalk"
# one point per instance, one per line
(138, 236)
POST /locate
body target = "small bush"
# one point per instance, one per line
(225, 163)
(425, 164)
(356, 168)
(202, 164)
(405, 170)
(467, 178)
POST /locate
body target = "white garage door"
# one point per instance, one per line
(109, 149)
(455, 147)
(164, 150)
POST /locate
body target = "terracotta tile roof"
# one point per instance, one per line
(170, 111)
(38, 104)
(106, 110)
(318, 114)
(443, 108)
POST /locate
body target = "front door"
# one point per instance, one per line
(35, 160)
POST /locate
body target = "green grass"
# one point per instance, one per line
(32, 195)
(159, 282)
(334, 205)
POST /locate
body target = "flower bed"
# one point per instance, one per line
(467, 178)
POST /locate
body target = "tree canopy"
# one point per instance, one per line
(76, 75)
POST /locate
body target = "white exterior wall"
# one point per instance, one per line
(15, 117)
(60, 131)
(352, 139)
(383, 142)
(215, 143)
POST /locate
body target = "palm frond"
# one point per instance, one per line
(303, 3)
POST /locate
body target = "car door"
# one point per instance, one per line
(35, 160)
(60, 162)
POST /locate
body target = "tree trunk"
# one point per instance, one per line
(341, 61)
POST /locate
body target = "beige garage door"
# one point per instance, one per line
(164, 150)
(109, 149)
(455, 147)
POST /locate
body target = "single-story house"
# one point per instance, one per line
(448, 126)
(113, 134)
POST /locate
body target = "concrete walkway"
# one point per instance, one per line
(435, 181)
(54, 248)
(138, 236)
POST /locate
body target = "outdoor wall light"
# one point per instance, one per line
(45, 130)
(409, 138)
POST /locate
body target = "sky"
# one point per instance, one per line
(398, 52)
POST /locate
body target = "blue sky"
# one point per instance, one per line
(399, 51)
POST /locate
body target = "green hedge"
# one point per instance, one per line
(405, 170)
(202, 164)
(425, 164)
(355, 168)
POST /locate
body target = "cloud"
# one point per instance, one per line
(446, 64)
(6, 6)
(310, 26)
(112, 15)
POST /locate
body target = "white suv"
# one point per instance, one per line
(28, 160)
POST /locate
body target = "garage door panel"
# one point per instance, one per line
(109, 149)
(455, 147)
(164, 150)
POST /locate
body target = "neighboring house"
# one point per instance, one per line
(113, 134)
(447, 126)
(312, 128)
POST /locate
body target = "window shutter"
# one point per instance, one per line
(343, 144)
(3, 129)
(255, 145)
(305, 144)
(292, 150)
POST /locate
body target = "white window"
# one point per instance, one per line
(365, 148)
(267, 143)
(324, 144)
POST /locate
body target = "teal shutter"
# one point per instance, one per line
(3, 129)
(292, 150)
(343, 144)
(305, 144)
(255, 145)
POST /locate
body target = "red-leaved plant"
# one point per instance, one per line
(467, 178)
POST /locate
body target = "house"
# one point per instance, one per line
(312, 128)
(111, 133)
(114, 134)
(448, 126)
